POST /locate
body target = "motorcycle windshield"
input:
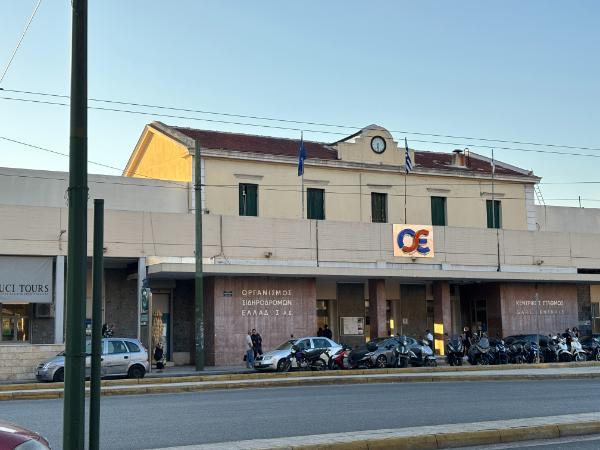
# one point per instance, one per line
(484, 343)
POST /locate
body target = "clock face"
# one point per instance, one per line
(378, 144)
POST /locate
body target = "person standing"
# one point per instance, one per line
(467, 337)
(159, 355)
(429, 338)
(320, 332)
(327, 332)
(256, 343)
(249, 351)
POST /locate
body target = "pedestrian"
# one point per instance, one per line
(429, 338)
(159, 355)
(249, 358)
(575, 332)
(256, 343)
(327, 332)
(467, 337)
(320, 332)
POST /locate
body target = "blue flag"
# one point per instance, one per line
(301, 157)
(407, 161)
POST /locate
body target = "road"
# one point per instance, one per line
(161, 420)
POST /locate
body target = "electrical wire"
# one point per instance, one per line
(300, 122)
(173, 116)
(12, 57)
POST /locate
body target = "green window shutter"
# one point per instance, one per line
(316, 204)
(494, 217)
(378, 207)
(248, 198)
(438, 211)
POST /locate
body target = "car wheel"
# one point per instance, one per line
(59, 375)
(319, 364)
(284, 365)
(381, 362)
(136, 372)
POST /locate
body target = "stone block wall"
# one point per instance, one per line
(120, 302)
(19, 361)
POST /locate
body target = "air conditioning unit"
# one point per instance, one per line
(44, 310)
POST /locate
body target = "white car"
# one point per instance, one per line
(273, 360)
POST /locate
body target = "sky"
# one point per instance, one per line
(512, 70)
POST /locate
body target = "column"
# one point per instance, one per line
(140, 285)
(377, 308)
(442, 314)
(59, 300)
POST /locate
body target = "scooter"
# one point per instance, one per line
(340, 360)
(562, 350)
(533, 354)
(577, 350)
(422, 355)
(402, 352)
(516, 354)
(480, 352)
(454, 351)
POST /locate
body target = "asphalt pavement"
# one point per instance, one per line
(162, 420)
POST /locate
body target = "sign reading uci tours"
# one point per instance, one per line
(25, 279)
(415, 241)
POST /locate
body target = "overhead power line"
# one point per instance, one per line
(320, 124)
(278, 127)
(12, 57)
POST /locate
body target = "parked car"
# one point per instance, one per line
(276, 359)
(14, 437)
(120, 357)
(379, 352)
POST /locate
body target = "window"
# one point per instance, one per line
(14, 323)
(494, 216)
(248, 199)
(304, 344)
(315, 198)
(321, 343)
(132, 347)
(116, 347)
(438, 211)
(378, 207)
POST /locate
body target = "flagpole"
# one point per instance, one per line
(405, 218)
(302, 182)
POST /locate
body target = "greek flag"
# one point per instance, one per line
(301, 157)
(407, 161)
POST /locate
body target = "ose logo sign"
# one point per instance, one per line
(413, 240)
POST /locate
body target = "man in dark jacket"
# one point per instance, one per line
(256, 343)
(327, 332)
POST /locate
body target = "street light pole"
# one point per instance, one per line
(74, 403)
(199, 281)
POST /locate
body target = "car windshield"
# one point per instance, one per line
(285, 346)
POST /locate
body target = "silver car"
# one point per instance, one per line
(274, 359)
(120, 357)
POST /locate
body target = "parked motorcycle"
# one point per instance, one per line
(533, 353)
(422, 355)
(562, 350)
(340, 359)
(499, 352)
(402, 352)
(516, 353)
(577, 350)
(309, 359)
(454, 351)
(593, 349)
(480, 352)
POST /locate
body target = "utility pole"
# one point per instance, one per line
(199, 282)
(74, 403)
(98, 282)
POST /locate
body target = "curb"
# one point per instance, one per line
(268, 375)
(320, 379)
(425, 438)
